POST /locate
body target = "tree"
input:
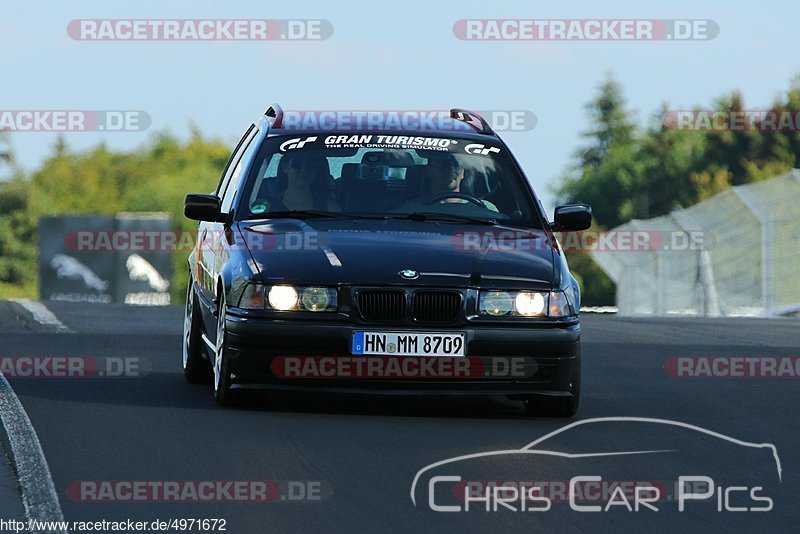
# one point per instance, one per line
(668, 158)
(607, 175)
(606, 171)
(6, 154)
(17, 235)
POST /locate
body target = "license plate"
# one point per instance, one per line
(409, 343)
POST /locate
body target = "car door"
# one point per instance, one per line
(226, 237)
(209, 237)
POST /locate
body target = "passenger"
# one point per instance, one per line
(303, 183)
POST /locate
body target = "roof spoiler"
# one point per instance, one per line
(473, 119)
(275, 112)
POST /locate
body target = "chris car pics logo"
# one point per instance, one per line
(660, 472)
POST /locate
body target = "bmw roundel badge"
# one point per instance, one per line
(409, 274)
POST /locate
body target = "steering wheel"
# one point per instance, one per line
(455, 194)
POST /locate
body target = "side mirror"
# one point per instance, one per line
(572, 217)
(203, 208)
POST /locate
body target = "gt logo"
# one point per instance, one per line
(295, 143)
(479, 149)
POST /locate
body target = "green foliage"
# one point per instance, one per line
(17, 235)
(597, 289)
(607, 168)
(6, 156)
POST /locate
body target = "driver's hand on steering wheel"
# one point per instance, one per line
(454, 197)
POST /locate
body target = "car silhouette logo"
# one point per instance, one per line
(409, 274)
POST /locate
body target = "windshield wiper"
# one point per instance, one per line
(298, 214)
(416, 216)
(447, 217)
(313, 214)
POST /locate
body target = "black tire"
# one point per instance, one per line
(196, 367)
(550, 406)
(223, 394)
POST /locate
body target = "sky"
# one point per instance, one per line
(402, 55)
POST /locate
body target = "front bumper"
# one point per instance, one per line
(550, 352)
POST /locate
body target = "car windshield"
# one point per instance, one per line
(399, 176)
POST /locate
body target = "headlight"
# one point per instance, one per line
(524, 304)
(315, 299)
(282, 298)
(285, 297)
(496, 303)
(529, 304)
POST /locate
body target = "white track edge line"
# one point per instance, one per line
(41, 314)
(38, 492)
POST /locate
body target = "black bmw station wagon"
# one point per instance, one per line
(382, 261)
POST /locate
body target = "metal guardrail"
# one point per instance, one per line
(742, 260)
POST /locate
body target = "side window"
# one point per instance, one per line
(266, 172)
(246, 153)
(226, 174)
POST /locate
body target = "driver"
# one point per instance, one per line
(444, 175)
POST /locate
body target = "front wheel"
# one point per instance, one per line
(196, 367)
(223, 394)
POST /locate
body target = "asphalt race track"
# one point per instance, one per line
(345, 463)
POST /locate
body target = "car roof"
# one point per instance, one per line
(429, 132)
(473, 127)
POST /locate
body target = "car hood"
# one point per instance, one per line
(373, 252)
